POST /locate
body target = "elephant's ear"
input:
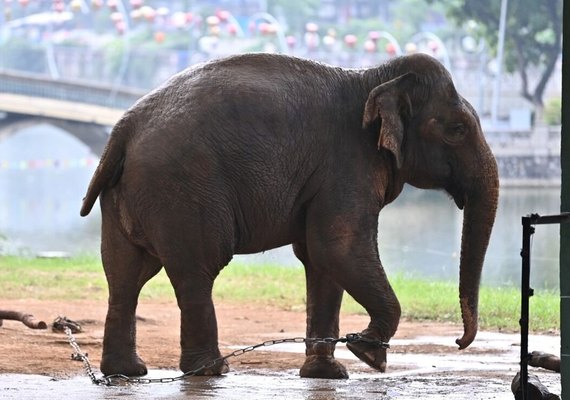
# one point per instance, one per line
(391, 103)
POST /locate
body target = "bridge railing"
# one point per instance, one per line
(31, 84)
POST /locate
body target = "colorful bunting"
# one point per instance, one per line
(65, 163)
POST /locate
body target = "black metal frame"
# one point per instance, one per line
(527, 292)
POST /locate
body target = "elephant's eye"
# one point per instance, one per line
(458, 130)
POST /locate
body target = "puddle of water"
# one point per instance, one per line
(241, 386)
(493, 351)
(270, 385)
(460, 375)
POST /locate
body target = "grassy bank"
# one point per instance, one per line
(83, 278)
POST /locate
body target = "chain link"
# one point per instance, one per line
(112, 380)
(78, 355)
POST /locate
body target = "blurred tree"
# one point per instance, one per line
(412, 16)
(296, 12)
(533, 35)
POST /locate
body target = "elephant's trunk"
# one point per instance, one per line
(479, 215)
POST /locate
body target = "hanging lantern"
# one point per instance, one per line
(136, 14)
(58, 6)
(329, 41)
(162, 11)
(159, 37)
(97, 4)
(212, 20)
(121, 27)
(215, 30)
(232, 30)
(433, 46)
(76, 5)
(265, 28)
(112, 4)
(391, 49)
(311, 27)
(252, 27)
(374, 36)
(291, 42)
(223, 15)
(411, 48)
(350, 40)
(312, 39)
(148, 13)
(116, 17)
(370, 46)
(136, 4)
(24, 3)
(178, 19)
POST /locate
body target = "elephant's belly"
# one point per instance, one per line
(267, 236)
(257, 245)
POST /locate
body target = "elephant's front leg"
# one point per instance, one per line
(324, 298)
(345, 247)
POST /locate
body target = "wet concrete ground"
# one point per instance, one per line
(484, 374)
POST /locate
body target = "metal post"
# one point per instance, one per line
(565, 207)
(500, 50)
(526, 293)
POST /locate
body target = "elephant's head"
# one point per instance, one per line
(436, 142)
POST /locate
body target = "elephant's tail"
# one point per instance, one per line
(110, 166)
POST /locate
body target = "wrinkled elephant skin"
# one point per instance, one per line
(257, 151)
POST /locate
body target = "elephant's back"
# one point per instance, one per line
(259, 99)
(267, 76)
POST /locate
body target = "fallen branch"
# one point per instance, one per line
(27, 319)
(544, 360)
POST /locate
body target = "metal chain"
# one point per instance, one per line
(78, 355)
(111, 380)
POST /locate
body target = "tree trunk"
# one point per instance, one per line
(26, 319)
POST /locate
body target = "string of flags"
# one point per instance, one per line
(47, 163)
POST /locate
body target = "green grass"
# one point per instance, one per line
(82, 278)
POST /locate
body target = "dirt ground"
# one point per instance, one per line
(423, 357)
(45, 352)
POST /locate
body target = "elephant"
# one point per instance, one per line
(256, 151)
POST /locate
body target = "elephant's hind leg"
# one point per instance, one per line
(324, 298)
(198, 326)
(193, 258)
(127, 268)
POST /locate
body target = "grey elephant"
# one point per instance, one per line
(257, 151)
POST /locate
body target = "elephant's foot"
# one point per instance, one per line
(129, 366)
(326, 367)
(191, 361)
(370, 353)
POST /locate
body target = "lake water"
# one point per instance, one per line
(44, 174)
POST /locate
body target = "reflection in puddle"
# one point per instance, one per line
(484, 371)
(428, 376)
(286, 385)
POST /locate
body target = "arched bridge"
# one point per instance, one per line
(84, 109)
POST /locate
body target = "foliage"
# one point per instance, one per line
(553, 111)
(22, 54)
(295, 12)
(533, 35)
(413, 16)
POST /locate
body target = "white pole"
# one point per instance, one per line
(500, 52)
